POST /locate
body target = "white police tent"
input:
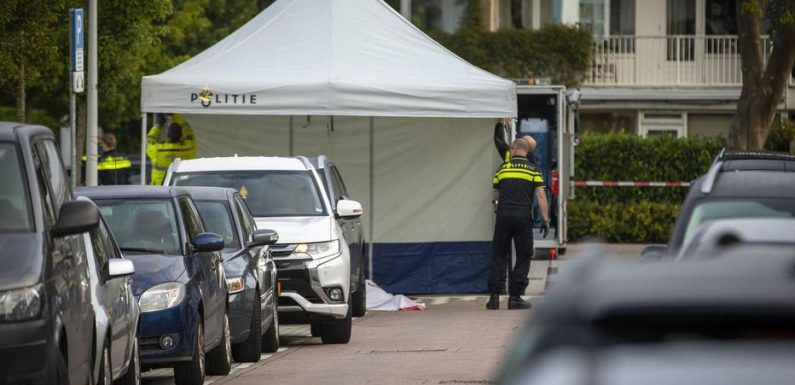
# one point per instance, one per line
(408, 123)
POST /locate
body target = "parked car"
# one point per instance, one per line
(286, 195)
(179, 278)
(737, 185)
(250, 271)
(116, 309)
(134, 176)
(622, 322)
(46, 318)
(352, 231)
(715, 237)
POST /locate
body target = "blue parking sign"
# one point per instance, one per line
(76, 38)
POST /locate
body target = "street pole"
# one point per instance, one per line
(91, 129)
(76, 83)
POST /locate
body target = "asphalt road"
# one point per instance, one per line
(454, 341)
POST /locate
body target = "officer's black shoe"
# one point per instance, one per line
(494, 302)
(516, 302)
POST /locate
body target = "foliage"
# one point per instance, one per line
(561, 53)
(781, 136)
(635, 222)
(633, 158)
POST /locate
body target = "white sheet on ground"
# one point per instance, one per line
(378, 299)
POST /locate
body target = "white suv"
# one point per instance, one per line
(312, 257)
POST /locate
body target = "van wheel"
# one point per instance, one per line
(60, 374)
(219, 360)
(250, 349)
(270, 341)
(337, 331)
(133, 375)
(359, 298)
(192, 372)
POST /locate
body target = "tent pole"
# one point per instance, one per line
(372, 196)
(143, 148)
(292, 144)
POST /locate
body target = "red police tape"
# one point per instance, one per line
(616, 183)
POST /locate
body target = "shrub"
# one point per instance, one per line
(780, 136)
(632, 158)
(634, 222)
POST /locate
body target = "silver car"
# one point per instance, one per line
(117, 314)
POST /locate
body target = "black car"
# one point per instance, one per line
(250, 271)
(737, 185)
(179, 278)
(46, 316)
(604, 315)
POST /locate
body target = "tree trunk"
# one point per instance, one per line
(21, 96)
(763, 87)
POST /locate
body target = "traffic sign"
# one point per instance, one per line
(76, 38)
(78, 82)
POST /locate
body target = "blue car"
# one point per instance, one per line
(250, 271)
(179, 278)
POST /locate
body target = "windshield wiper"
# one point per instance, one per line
(142, 250)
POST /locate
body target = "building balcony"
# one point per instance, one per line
(668, 61)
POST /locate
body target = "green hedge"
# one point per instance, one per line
(635, 222)
(629, 157)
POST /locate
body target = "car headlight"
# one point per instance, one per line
(20, 304)
(318, 250)
(236, 285)
(161, 297)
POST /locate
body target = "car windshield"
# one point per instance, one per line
(267, 193)
(218, 219)
(725, 209)
(14, 199)
(142, 225)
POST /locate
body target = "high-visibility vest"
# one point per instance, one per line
(161, 154)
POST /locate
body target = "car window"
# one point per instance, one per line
(101, 244)
(218, 219)
(190, 216)
(15, 209)
(746, 208)
(246, 221)
(50, 214)
(339, 186)
(142, 225)
(267, 193)
(51, 162)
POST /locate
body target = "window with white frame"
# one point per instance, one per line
(592, 17)
(663, 123)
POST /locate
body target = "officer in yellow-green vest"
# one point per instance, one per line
(179, 142)
(516, 184)
(112, 167)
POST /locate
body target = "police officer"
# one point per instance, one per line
(179, 143)
(514, 184)
(112, 167)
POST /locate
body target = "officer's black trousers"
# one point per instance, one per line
(511, 224)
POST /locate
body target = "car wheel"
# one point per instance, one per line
(219, 360)
(270, 340)
(250, 349)
(359, 298)
(60, 375)
(133, 374)
(315, 328)
(105, 376)
(337, 331)
(192, 372)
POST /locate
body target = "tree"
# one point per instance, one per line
(28, 47)
(763, 86)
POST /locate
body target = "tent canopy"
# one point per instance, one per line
(329, 57)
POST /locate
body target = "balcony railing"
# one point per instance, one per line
(674, 60)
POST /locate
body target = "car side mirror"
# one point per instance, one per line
(349, 209)
(118, 267)
(653, 252)
(207, 242)
(263, 237)
(76, 217)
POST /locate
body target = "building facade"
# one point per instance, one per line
(659, 66)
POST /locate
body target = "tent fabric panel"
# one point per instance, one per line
(432, 267)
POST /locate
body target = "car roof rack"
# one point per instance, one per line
(750, 155)
(307, 163)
